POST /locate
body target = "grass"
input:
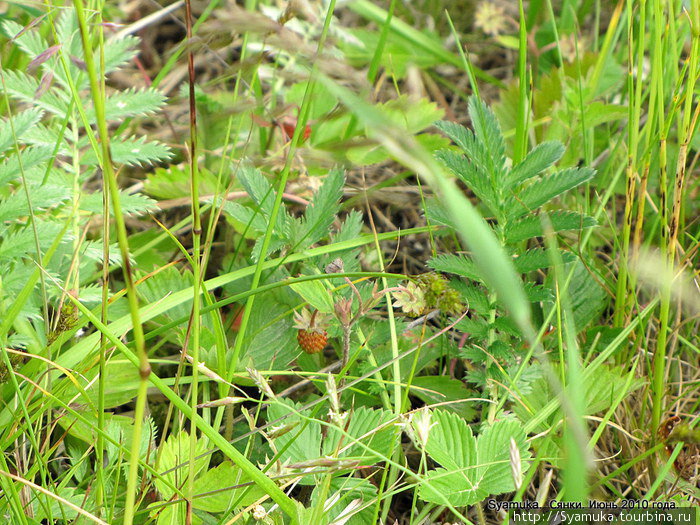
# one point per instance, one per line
(513, 325)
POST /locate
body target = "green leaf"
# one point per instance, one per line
(24, 87)
(132, 151)
(303, 441)
(531, 226)
(321, 212)
(488, 132)
(20, 124)
(30, 42)
(270, 338)
(539, 159)
(493, 452)
(473, 295)
(475, 178)
(456, 264)
(537, 293)
(538, 258)
(131, 203)
(31, 156)
(450, 442)
(315, 293)
(174, 452)
(348, 499)
(588, 298)
(542, 191)
(130, 103)
(260, 190)
(370, 427)
(42, 197)
(441, 389)
(456, 487)
(218, 482)
(22, 243)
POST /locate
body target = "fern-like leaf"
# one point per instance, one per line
(546, 189)
(22, 243)
(456, 264)
(475, 178)
(538, 258)
(130, 103)
(531, 226)
(24, 87)
(133, 152)
(131, 203)
(32, 156)
(539, 159)
(21, 123)
(488, 132)
(42, 197)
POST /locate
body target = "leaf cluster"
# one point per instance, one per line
(514, 195)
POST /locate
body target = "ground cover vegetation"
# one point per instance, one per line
(354, 262)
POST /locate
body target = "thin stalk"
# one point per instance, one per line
(101, 490)
(634, 110)
(196, 259)
(110, 180)
(521, 122)
(659, 361)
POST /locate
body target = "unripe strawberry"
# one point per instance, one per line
(311, 336)
(312, 342)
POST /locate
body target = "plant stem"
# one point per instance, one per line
(110, 180)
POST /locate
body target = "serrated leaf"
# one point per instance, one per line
(537, 160)
(315, 293)
(31, 156)
(543, 190)
(538, 258)
(320, 213)
(368, 426)
(131, 203)
(23, 87)
(120, 51)
(538, 293)
(475, 326)
(262, 193)
(441, 389)
(132, 151)
(42, 197)
(22, 243)
(588, 298)
(215, 495)
(456, 264)
(347, 501)
(442, 486)
(174, 452)
(493, 451)
(303, 442)
(30, 42)
(531, 226)
(487, 162)
(488, 132)
(473, 295)
(20, 124)
(476, 179)
(130, 103)
(270, 339)
(450, 442)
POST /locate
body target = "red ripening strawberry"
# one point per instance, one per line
(312, 342)
(311, 336)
